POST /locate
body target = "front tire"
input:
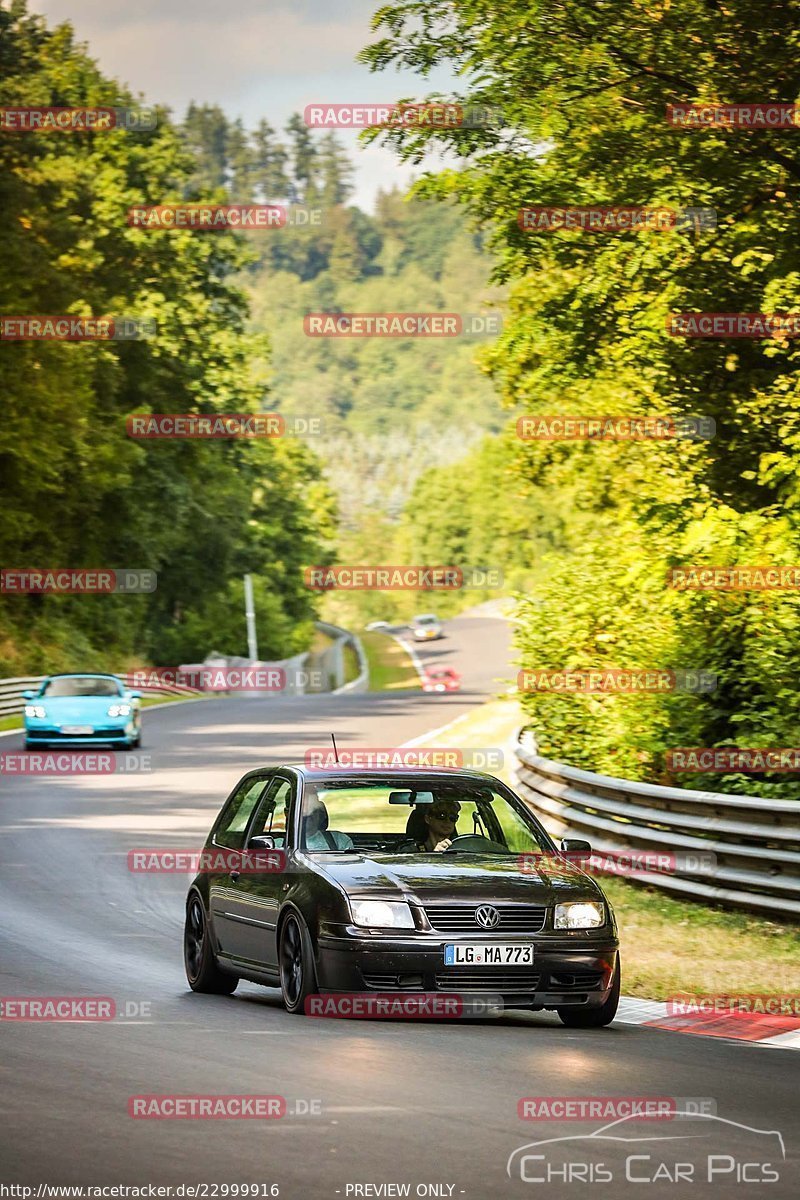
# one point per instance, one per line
(202, 969)
(594, 1018)
(296, 961)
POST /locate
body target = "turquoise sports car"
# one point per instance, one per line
(84, 710)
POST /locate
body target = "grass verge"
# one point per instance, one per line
(150, 701)
(352, 667)
(667, 945)
(390, 667)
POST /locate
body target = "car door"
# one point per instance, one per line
(255, 897)
(229, 835)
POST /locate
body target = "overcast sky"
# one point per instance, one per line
(255, 58)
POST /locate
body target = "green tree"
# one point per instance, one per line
(581, 92)
(77, 490)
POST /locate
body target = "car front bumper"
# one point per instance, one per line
(41, 731)
(564, 972)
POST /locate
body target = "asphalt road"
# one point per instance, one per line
(428, 1104)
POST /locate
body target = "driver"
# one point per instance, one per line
(440, 820)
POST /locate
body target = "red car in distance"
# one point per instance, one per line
(441, 679)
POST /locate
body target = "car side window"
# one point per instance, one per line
(273, 812)
(233, 823)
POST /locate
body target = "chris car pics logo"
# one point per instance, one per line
(700, 1148)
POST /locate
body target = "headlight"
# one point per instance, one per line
(120, 710)
(378, 914)
(582, 915)
(35, 710)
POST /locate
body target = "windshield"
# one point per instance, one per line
(426, 620)
(417, 817)
(81, 685)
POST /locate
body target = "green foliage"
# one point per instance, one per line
(390, 406)
(583, 91)
(77, 491)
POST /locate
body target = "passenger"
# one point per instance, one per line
(316, 835)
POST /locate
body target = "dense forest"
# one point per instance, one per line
(389, 408)
(584, 90)
(76, 491)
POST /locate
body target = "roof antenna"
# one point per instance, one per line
(335, 751)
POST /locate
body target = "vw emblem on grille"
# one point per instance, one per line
(487, 916)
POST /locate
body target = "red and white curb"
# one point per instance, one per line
(763, 1028)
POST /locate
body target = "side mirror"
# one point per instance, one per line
(262, 841)
(576, 848)
(135, 695)
(28, 695)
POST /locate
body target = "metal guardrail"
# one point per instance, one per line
(753, 843)
(296, 668)
(333, 659)
(11, 690)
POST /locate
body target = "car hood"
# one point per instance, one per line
(454, 877)
(78, 709)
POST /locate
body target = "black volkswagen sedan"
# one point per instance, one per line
(398, 881)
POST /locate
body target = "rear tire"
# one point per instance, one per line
(202, 970)
(296, 962)
(594, 1018)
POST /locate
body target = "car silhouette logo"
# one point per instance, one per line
(487, 917)
(601, 1135)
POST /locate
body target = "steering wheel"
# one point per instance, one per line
(476, 841)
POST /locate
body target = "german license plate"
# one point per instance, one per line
(77, 730)
(503, 954)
